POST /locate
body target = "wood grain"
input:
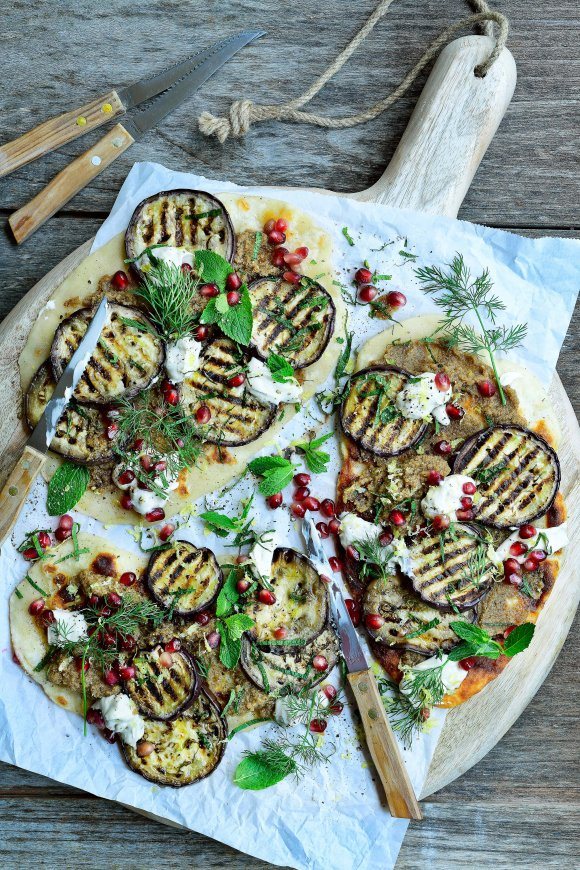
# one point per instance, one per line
(15, 490)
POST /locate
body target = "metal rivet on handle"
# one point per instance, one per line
(118, 141)
(363, 687)
(96, 160)
(13, 490)
(373, 713)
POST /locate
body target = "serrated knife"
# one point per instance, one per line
(29, 466)
(381, 741)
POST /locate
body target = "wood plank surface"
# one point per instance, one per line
(519, 806)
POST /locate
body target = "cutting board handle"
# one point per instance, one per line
(450, 129)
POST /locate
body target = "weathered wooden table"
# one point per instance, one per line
(519, 806)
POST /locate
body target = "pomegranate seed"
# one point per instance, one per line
(327, 507)
(186, 267)
(292, 277)
(171, 397)
(202, 618)
(508, 630)
(30, 554)
(165, 659)
(512, 566)
(280, 633)
(469, 488)
(213, 639)
(292, 259)
(36, 607)
(302, 479)
(353, 611)
(275, 237)
(352, 553)
(120, 280)
(311, 503)
(318, 726)
(518, 549)
(233, 282)
(233, 297)
(539, 555)
(527, 531)
(126, 502)
(145, 748)
(62, 534)
(367, 293)
(385, 538)
(266, 597)
(242, 586)
(111, 431)
(302, 252)
(335, 564)
(320, 663)
(454, 412)
(111, 678)
(397, 518)
(334, 527)
(66, 521)
(155, 515)
(109, 735)
(374, 621)
(466, 502)
(467, 663)
(277, 257)
(128, 672)
(44, 540)
(440, 522)
(487, 389)
(201, 332)
(108, 638)
(203, 415)
(298, 510)
(159, 466)
(105, 611)
(237, 380)
(363, 275)
(281, 225)
(47, 617)
(95, 717)
(330, 692)
(269, 226)
(114, 599)
(443, 448)
(166, 532)
(126, 477)
(209, 291)
(396, 299)
(146, 462)
(336, 709)
(94, 600)
(173, 646)
(513, 579)
(322, 530)
(127, 643)
(464, 515)
(79, 664)
(434, 478)
(530, 564)
(442, 381)
(274, 501)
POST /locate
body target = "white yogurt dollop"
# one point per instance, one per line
(354, 528)
(173, 256)
(548, 540)
(262, 385)
(182, 358)
(145, 500)
(421, 397)
(452, 675)
(261, 555)
(69, 626)
(444, 499)
(121, 716)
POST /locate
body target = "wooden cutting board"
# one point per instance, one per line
(451, 127)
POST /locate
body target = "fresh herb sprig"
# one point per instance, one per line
(276, 473)
(235, 321)
(316, 460)
(460, 295)
(231, 624)
(239, 526)
(477, 642)
(375, 559)
(280, 369)
(168, 292)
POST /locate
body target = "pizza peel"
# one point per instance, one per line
(450, 130)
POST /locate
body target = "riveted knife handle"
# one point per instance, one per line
(57, 131)
(67, 183)
(384, 748)
(17, 487)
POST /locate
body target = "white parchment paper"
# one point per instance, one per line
(336, 815)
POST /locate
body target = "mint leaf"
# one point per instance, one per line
(237, 321)
(228, 596)
(230, 648)
(316, 460)
(264, 464)
(276, 471)
(221, 303)
(519, 639)
(470, 632)
(280, 368)
(219, 523)
(237, 624)
(257, 771)
(67, 486)
(476, 642)
(212, 268)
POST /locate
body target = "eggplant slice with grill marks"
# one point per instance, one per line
(190, 219)
(369, 416)
(290, 669)
(187, 748)
(184, 578)
(162, 692)
(517, 474)
(410, 622)
(451, 570)
(236, 416)
(80, 433)
(301, 604)
(295, 320)
(125, 361)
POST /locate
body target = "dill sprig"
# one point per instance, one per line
(458, 294)
(375, 558)
(408, 710)
(169, 291)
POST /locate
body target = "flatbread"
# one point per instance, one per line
(217, 467)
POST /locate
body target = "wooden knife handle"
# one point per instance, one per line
(56, 131)
(384, 748)
(67, 183)
(17, 487)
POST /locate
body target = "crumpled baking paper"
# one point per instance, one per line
(336, 812)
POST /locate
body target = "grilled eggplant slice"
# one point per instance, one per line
(451, 570)
(126, 360)
(410, 622)
(184, 577)
(296, 320)
(190, 219)
(80, 433)
(291, 669)
(162, 692)
(236, 416)
(187, 748)
(518, 475)
(301, 604)
(368, 414)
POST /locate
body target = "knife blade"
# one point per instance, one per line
(353, 654)
(45, 429)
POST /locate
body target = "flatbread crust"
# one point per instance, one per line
(218, 466)
(535, 408)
